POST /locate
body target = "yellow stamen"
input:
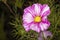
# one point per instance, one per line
(37, 19)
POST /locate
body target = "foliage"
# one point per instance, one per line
(15, 10)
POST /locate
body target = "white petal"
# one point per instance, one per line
(37, 8)
(27, 18)
(44, 25)
(35, 27)
(45, 10)
(27, 28)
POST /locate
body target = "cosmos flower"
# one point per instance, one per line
(35, 17)
(44, 35)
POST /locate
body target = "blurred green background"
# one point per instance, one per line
(11, 12)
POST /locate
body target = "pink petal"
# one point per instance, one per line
(45, 10)
(44, 18)
(35, 27)
(40, 38)
(27, 18)
(44, 25)
(26, 26)
(37, 8)
(29, 10)
(47, 33)
(44, 35)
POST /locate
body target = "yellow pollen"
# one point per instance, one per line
(37, 19)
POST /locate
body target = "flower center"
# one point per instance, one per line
(37, 19)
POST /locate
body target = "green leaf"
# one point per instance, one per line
(19, 3)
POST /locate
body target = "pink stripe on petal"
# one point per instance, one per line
(35, 27)
(27, 28)
(45, 10)
(44, 18)
(41, 27)
(37, 8)
(46, 13)
(44, 25)
(28, 18)
(29, 10)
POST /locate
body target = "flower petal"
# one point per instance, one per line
(44, 25)
(45, 10)
(29, 10)
(40, 38)
(26, 26)
(44, 18)
(35, 27)
(37, 8)
(46, 34)
(27, 18)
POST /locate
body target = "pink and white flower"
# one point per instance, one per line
(45, 35)
(35, 17)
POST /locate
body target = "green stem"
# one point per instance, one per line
(43, 36)
(9, 7)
